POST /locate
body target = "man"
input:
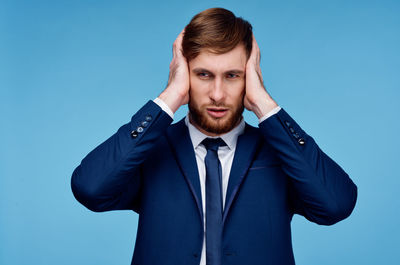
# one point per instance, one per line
(211, 189)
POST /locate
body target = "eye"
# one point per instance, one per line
(230, 75)
(203, 74)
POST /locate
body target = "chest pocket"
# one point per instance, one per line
(264, 163)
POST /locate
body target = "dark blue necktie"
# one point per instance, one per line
(213, 202)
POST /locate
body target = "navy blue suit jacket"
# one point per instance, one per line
(278, 170)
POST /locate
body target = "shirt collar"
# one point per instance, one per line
(230, 138)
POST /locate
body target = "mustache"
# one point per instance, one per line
(217, 105)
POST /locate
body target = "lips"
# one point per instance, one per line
(217, 112)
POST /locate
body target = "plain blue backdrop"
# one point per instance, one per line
(73, 72)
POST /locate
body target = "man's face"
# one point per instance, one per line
(217, 88)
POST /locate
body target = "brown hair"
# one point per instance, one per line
(216, 30)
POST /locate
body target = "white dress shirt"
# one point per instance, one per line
(225, 155)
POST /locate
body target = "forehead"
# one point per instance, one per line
(234, 59)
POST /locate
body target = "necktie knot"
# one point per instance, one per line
(213, 143)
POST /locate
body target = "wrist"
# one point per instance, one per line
(171, 98)
(263, 105)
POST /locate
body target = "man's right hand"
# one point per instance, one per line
(177, 92)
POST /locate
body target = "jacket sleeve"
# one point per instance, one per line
(319, 189)
(109, 177)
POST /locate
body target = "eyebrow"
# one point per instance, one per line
(233, 71)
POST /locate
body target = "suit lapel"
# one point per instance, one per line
(181, 144)
(246, 147)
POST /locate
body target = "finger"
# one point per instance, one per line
(256, 50)
(179, 40)
(180, 37)
(253, 50)
(255, 44)
(176, 46)
(174, 50)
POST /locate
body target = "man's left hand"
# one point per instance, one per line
(256, 98)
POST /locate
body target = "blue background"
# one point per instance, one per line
(73, 72)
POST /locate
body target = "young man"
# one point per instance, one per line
(211, 189)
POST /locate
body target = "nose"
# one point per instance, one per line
(217, 92)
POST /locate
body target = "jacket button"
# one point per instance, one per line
(134, 134)
(291, 129)
(296, 135)
(144, 124)
(287, 123)
(301, 141)
(148, 118)
(139, 129)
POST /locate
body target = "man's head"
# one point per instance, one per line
(217, 45)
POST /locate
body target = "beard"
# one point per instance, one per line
(216, 125)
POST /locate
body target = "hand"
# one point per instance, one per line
(177, 92)
(256, 98)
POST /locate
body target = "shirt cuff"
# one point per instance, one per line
(269, 114)
(164, 107)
